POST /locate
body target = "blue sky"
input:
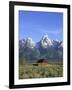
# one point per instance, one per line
(35, 24)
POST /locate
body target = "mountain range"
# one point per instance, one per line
(52, 50)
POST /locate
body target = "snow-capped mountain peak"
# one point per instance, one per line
(45, 36)
(30, 43)
(22, 43)
(46, 42)
(61, 45)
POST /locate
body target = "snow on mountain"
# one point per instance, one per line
(30, 43)
(44, 48)
(61, 45)
(56, 43)
(22, 43)
(45, 41)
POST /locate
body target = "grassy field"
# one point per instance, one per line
(27, 71)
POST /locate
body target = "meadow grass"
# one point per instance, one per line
(27, 71)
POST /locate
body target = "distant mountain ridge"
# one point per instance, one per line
(45, 48)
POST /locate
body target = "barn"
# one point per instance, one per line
(41, 62)
(44, 61)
